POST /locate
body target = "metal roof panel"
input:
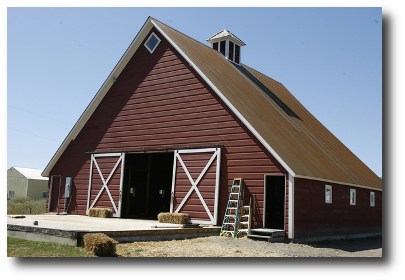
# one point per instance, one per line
(305, 145)
(31, 173)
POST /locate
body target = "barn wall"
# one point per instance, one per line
(315, 218)
(159, 100)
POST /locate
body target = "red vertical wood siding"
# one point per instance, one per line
(314, 218)
(158, 100)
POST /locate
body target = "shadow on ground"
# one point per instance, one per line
(350, 245)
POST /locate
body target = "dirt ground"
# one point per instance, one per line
(216, 246)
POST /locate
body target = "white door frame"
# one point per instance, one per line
(194, 184)
(121, 160)
(50, 192)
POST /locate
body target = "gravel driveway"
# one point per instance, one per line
(216, 246)
(364, 247)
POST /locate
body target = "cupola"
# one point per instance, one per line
(227, 44)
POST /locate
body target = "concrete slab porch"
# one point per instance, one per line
(69, 229)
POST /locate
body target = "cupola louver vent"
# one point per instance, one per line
(227, 44)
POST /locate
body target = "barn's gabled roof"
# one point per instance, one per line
(302, 145)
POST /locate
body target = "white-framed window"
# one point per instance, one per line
(328, 194)
(11, 194)
(352, 196)
(152, 42)
(372, 199)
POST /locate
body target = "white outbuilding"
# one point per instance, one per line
(26, 182)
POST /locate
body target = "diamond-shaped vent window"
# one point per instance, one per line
(152, 42)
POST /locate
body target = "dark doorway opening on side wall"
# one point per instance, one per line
(147, 185)
(274, 203)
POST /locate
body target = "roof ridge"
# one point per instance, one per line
(183, 34)
(26, 167)
(30, 173)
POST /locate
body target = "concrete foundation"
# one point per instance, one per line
(69, 229)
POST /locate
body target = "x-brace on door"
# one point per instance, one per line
(195, 187)
(105, 182)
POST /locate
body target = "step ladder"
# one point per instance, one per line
(236, 214)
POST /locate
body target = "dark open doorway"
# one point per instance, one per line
(274, 201)
(147, 185)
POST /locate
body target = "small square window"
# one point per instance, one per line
(352, 197)
(328, 194)
(152, 42)
(11, 193)
(44, 194)
(372, 199)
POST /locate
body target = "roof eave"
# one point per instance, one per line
(337, 182)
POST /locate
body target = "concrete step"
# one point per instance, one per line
(268, 232)
(266, 238)
(265, 234)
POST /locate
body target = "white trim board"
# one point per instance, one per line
(290, 206)
(336, 182)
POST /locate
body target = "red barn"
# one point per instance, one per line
(176, 121)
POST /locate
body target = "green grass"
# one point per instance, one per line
(26, 248)
(22, 205)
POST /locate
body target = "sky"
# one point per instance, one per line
(330, 59)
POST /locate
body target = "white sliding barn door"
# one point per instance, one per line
(105, 182)
(195, 187)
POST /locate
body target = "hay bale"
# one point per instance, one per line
(173, 218)
(100, 212)
(99, 244)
